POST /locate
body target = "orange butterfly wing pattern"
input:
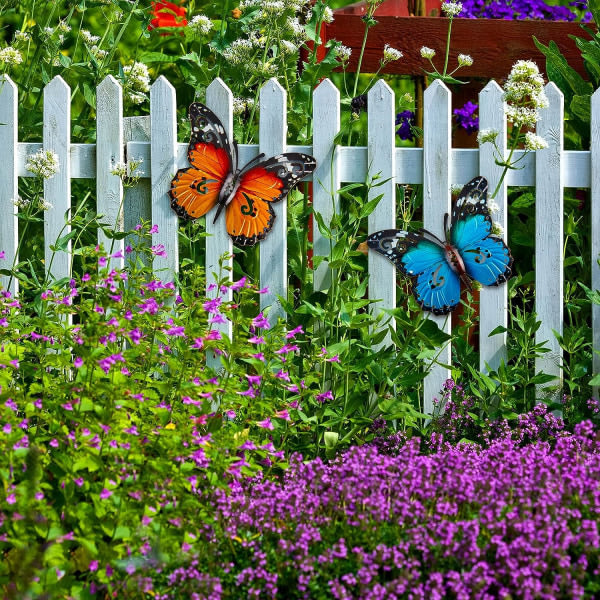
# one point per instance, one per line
(195, 190)
(249, 215)
(214, 179)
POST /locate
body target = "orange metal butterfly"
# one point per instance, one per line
(215, 179)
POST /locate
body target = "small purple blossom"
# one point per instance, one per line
(466, 117)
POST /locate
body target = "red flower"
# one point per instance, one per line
(167, 14)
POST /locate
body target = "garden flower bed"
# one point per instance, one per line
(505, 521)
(163, 437)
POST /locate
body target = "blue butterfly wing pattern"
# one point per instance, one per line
(437, 267)
(486, 257)
(421, 257)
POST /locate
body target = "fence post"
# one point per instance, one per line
(273, 249)
(163, 165)
(549, 235)
(57, 189)
(493, 301)
(437, 156)
(9, 188)
(595, 218)
(326, 178)
(109, 152)
(381, 161)
(219, 99)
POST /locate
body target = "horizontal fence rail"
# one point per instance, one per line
(437, 166)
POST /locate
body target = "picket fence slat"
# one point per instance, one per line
(9, 183)
(326, 178)
(381, 158)
(493, 300)
(436, 166)
(549, 211)
(163, 142)
(437, 140)
(273, 249)
(109, 154)
(595, 226)
(57, 189)
(219, 99)
(136, 205)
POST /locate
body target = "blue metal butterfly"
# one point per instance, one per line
(437, 267)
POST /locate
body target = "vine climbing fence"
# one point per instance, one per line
(436, 166)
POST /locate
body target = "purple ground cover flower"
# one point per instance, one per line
(519, 9)
(463, 522)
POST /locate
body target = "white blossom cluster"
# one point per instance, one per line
(43, 163)
(200, 25)
(524, 94)
(137, 82)
(91, 43)
(10, 56)
(390, 54)
(452, 9)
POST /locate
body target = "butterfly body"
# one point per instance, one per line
(246, 193)
(469, 252)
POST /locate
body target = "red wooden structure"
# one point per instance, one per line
(494, 44)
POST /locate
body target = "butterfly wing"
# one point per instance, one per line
(421, 257)
(249, 214)
(486, 257)
(195, 190)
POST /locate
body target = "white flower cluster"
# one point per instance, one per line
(91, 42)
(390, 54)
(327, 15)
(464, 60)
(10, 56)
(485, 136)
(240, 105)
(43, 163)
(137, 82)
(240, 52)
(21, 37)
(524, 93)
(200, 25)
(534, 142)
(452, 9)
(343, 53)
(88, 38)
(427, 52)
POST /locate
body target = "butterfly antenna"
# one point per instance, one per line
(446, 230)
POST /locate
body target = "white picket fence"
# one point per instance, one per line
(436, 166)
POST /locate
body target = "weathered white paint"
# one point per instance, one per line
(219, 248)
(57, 189)
(110, 154)
(493, 302)
(594, 166)
(9, 228)
(549, 234)
(326, 177)
(437, 139)
(273, 249)
(163, 142)
(381, 158)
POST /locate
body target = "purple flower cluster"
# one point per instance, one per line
(406, 120)
(464, 522)
(466, 117)
(520, 9)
